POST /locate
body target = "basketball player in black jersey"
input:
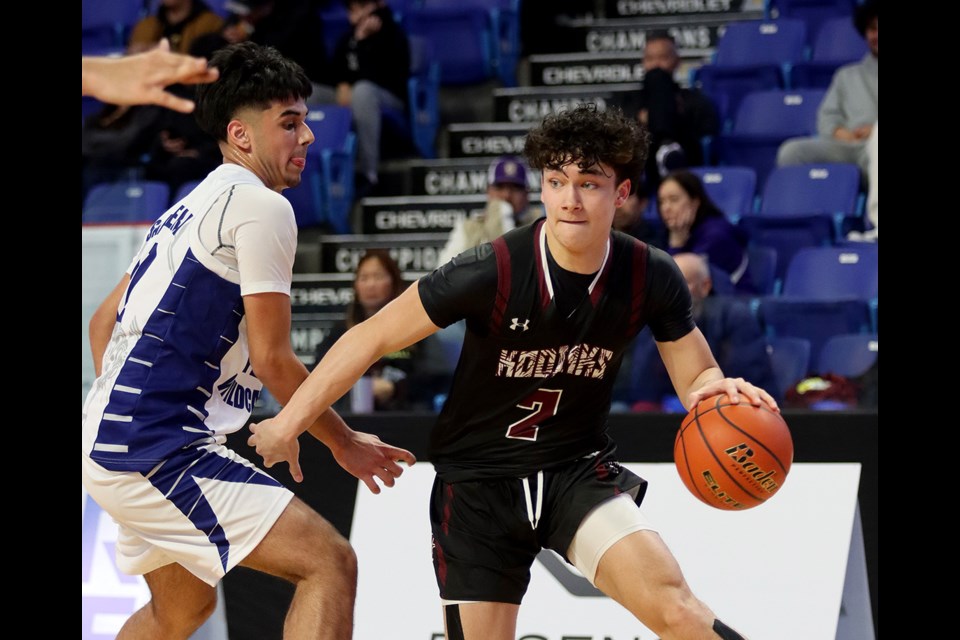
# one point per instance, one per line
(521, 450)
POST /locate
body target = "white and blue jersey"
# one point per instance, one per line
(176, 372)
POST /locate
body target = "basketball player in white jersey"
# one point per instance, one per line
(182, 347)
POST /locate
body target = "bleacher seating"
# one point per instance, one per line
(325, 194)
(457, 44)
(826, 292)
(106, 24)
(849, 354)
(828, 189)
(420, 121)
(126, 201)
(837, 43)
(733, 189)
(805, 206)
(462, 38)
(505, 41)
(335, 22)
(790, 361)
(752, 55)
(762, 122)
(814, 13)
(762, 267)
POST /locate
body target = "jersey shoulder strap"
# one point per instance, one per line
(638, 273)
(504, 278)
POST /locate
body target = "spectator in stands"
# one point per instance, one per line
(292, 27)
(731, 330)
(181, 151)
(629, 219)
(396, 384)
(850, 109)
(677, 118)
(181, 22)
(696, 225)
(369, 72)
(508, 207)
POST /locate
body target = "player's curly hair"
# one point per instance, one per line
(586, 136)
(251, 75)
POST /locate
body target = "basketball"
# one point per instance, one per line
(733, 456)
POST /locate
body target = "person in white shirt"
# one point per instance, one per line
(508, 207)
(182, 347)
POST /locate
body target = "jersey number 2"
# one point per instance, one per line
(542, 403)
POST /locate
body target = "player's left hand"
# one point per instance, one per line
(270, 444)
(367, 458)
(735, 389)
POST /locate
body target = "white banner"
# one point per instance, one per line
(775, 571)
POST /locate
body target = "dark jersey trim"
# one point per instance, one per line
(541, 275)
(639, 286)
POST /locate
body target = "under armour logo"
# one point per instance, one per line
(516, 324)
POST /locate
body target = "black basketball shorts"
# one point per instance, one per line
(486, 533)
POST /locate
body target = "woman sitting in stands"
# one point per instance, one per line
(696, 225)
(400, 380)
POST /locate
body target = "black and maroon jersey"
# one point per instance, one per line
(533, 386)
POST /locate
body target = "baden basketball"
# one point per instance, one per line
(733, 456)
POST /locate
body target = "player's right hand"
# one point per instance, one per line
(273, 448)
(368, 459)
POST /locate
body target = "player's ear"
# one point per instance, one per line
(238, 134)
(623, 192)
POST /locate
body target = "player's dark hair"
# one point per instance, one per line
(864, 14)
(251, 75)
(586, 136)
(660, 34)
(694, 188)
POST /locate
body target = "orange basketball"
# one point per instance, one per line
(733, 456)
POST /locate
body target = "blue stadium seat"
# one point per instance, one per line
(126, 201)
(790, 361)
(751, 55)
(828, 189)
(814, 13)
(805, 206)
(733, 189)
(106, 24)
(325, 195)
(462, 38)
(505, 17)
(837, 43)
(786, 235)
(762, 122)
(816, 320)
(762, 267)
(336, 23)
(826, 292)
(420, 121)
(849, 354)
(834, 272)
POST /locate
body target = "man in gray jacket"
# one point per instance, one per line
(849, 110)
